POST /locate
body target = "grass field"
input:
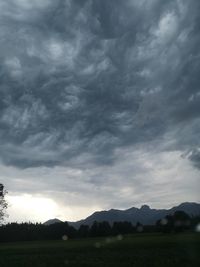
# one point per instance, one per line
(134, 250)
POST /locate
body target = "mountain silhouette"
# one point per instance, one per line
(144, 215)
(52, 221)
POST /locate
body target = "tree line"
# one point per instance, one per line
(178, 222)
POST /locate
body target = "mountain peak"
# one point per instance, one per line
(187, 204)
(52, 221)
(145, 208)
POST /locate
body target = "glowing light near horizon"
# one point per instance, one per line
(31, 208)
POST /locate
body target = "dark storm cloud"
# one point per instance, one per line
(80, 79)
(194, 156)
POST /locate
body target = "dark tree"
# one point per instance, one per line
(177, 222)
(122, 228)
(3, 203)
(94, 229)
(104, 229)
(182, 221)
(83, 231)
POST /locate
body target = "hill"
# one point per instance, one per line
(144, 215)
(52, 221)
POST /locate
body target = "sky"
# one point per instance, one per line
(99, 105)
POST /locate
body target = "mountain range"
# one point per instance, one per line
(144, 215)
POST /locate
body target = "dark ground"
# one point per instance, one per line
(137, 250)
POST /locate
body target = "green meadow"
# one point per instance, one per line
(132, 250)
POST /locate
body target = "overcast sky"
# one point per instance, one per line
(99, 105)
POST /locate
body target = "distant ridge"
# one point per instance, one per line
(144, 215)
(52, 221)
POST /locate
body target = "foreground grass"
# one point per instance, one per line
(134, 250)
